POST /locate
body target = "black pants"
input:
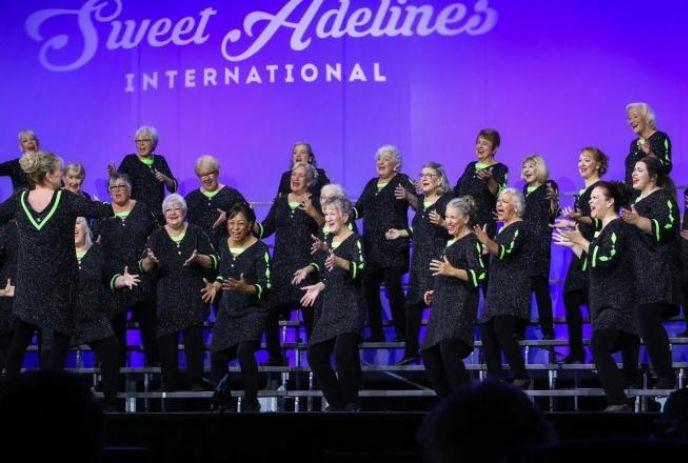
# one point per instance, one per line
(604, 343)
(501, 335)
(107, 353)
(245, 352)
(23, 332)
(391, 277)
(573, 300)
(5, 341)
(169, 356)
(540, 286)
(444, 363)
(145, 314)
(272, 331)
(341, 391)
(414, 315)
(650, 317)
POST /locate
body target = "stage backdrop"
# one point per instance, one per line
(243, 80)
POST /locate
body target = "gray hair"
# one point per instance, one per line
(517, 196)
(465, 205)
(150, 130)
(89, 234)
(78, 169)
(343, 204)
(645, 111)
(172, 199)
(119, 176)
(311, 171)
(209, 160)
(443, 187)
(337, 190)
(391, 149)
(27, 133)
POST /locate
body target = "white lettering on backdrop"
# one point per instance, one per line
(305, 19)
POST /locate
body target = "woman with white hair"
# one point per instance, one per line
(303, 152)
(92, 315)
(28, 142)
(293, 218)
(383, 205)
(182, 256)
(542, 207)
(148, 172)
(209, 204)
(507, 302)
(650, 141)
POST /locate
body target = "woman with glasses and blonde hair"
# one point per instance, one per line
(542, 207)
(429, 236)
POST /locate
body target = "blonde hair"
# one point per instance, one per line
(646, 111)
(210, 161)
(541, 170)
(38, 164)
(77, 169)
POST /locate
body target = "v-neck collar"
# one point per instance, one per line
(51, 208)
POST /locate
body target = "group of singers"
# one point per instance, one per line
(74, 269)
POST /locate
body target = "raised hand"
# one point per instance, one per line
(481, 233)
(551, 192)
(151, 256)
(232, 284)
(563, 224)
(436, 219)
(441, 267)
(192, 259)
(301, 275)
(208, 292)
(393, 233)
(485, 174)
(400, 192)
(317, 245)
(427, 297)
(111, 169)
(331, 261)
(311, 294)
(644, 146)
(571, 213)
(630, 215)
(222, 218)
(127, 279)
(159, 175)
(8, 290)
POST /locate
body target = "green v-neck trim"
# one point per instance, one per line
(47, 218)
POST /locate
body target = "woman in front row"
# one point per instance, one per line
(454, 300)
(182, 256)
(244, 280)
(612, 290)
(507, 307)
(338, 325)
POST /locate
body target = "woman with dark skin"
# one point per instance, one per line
(244, 279)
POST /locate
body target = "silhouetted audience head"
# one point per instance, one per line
(482, 422)
(674, 419)
(54, 414)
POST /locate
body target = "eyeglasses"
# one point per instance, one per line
(421, 176)
(119, 187)
(207, 174)
(143, 140)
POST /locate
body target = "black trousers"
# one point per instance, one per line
(444, 363)
(650, 318)
(540, 286)
(245, 352)
(272, 331)
(604, 343)
(23, 332)
(573, 300)
(341, 391)
(5, 341)
(146, 315)
(501, 334)
(414, 315)
(169, 355)
(391, 277)
(107, 354)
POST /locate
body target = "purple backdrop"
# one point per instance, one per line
(243, 80)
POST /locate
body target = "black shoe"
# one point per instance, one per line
(222, 397)
(408, 360)
(665, 383)
(574, 358)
